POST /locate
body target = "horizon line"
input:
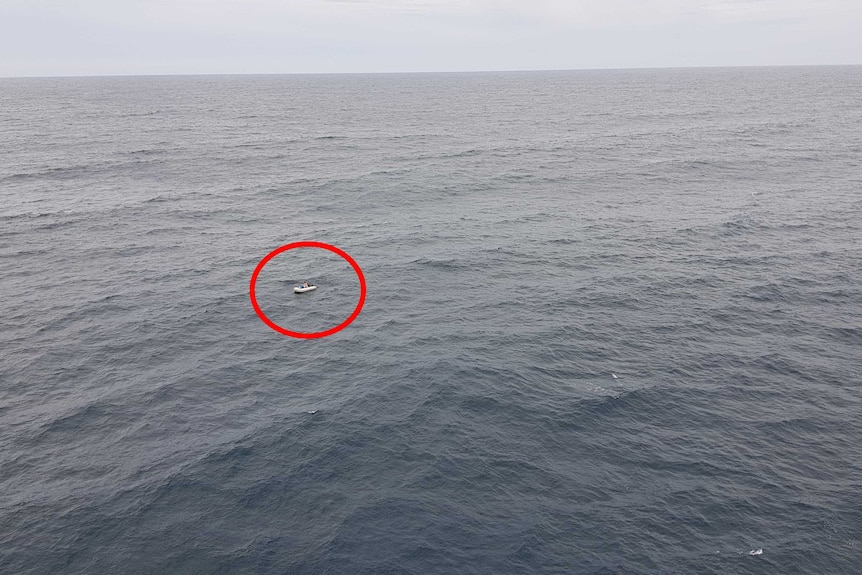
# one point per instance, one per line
(428, 72)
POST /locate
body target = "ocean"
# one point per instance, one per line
(613, 323)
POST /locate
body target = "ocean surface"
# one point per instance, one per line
(613, 323)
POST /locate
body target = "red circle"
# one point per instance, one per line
(315, 334)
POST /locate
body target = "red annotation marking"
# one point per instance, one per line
(315, 334)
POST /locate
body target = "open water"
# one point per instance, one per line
(613, 323)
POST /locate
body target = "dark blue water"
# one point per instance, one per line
(613, 323)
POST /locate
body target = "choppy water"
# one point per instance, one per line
(613, 323)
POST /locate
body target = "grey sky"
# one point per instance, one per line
(101, 37)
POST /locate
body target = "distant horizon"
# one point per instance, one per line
(432, 72)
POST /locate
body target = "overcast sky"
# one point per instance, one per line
(106, 37)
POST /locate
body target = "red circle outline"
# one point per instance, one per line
(315, 334)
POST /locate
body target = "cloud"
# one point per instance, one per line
(263, 15)
(646, 13)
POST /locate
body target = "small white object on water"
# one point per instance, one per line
(756, 551)
(312, 412)
(615, 376)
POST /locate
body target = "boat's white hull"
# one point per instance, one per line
(304, 289)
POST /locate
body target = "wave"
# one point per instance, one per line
(447, 264)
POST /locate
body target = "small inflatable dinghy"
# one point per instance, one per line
(301, 289)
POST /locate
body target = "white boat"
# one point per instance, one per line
(301, 289)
